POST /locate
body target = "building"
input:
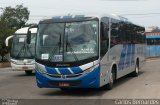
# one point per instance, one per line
(153, 44)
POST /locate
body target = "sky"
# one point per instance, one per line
(143, 12)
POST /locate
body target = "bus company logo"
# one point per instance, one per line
(63, 76)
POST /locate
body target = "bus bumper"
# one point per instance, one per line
(19, 67)
(88, 80)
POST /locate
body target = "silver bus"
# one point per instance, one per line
(87, 51)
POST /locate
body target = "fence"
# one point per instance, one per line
(153, 51)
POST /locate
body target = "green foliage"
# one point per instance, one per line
(11, 20)
(15, 17)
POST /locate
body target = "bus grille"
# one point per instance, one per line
(64, 76)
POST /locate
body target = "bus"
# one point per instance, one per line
(87, 51)
(22, 54)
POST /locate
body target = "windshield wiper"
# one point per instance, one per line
(24, 48)
(54, 50)
(72, 51)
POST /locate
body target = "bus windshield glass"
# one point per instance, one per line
(20, 50)
(67, 41)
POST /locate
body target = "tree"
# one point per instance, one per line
(11, 20)
(156, 29)
(15, 17)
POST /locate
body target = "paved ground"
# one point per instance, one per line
(16, 85)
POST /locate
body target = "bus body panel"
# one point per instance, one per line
(122, 55)
(115, 56)
(21, 65)
(86, 80)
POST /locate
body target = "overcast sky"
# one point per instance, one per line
(143, 12)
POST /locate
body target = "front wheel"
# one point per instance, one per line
(112, 78)
(28, 72)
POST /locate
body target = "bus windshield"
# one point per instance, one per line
(67, 41)
(20, 50)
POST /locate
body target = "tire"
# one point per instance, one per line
(136, 71)
(112, 79)
(28, 72)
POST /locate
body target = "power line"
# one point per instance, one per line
(140, 14)
(146, 16)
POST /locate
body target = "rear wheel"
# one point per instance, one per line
(136, 71)
(28, 72)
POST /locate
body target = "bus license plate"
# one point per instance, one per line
(63, 84)
(25, 68)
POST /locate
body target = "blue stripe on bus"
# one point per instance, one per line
(133, 54)
(51, 70)
(64, 71)
(127, 56)
(76, 70)
(122, 57)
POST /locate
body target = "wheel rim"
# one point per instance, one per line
(111, 78)
(137, 69)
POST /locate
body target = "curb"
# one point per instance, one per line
(5, 64)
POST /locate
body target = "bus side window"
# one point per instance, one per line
(104, 38)
(115, 32)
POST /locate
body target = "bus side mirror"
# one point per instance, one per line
(29, 37)
(7, 40)
(29, 33)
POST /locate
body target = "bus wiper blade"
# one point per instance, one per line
(24, 49)
(72, 51)
(54, 50)
(20, 52)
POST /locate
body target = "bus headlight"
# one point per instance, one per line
(41, 70)
(90, 69)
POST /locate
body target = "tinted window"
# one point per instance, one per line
(104, 38)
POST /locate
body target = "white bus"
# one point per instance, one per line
(87, 51)
(22, 55)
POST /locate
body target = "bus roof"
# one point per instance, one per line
(75, 15)
(98, 15)
(25, 30)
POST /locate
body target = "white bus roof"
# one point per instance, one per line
(25, 30)
(99, 15)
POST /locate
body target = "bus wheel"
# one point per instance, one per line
(112, 78)
(136, 71)
(28, 72)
